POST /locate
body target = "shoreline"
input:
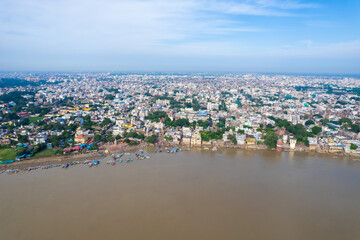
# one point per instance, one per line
(68, 158)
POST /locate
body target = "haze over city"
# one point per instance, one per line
(315, 36)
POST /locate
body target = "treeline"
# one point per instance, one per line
(214, 135)
(298, 130)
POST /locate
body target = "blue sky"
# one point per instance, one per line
(310, 36)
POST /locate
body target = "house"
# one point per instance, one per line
(240, 138)
(312, 143)
(250, 140)
(196, 139)
(292, 143)
(81, 138)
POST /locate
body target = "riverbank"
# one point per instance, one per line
(102, 154)
(68, 158)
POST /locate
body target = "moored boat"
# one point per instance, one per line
(12, 171)
(112, 162)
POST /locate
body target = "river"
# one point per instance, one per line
(198, 194)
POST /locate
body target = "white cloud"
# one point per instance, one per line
(61, 29)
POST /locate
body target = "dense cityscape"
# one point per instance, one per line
(45, 114)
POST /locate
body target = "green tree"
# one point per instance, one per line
(109, 97)
(324, 121)
(270, 139)
(233, 139)
(25, 121)
(345, 120)
(151, 139)
(353, 146)
(110, 138)
(133, 143)
(21, 151)
(309, 122)
(316, 130)
(97, 137)
(54, 140)
(71, 127)
(106, 121)
(22, 138)
(283, 123)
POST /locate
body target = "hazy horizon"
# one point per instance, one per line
(255, 36)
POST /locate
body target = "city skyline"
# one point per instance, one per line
(211, 36)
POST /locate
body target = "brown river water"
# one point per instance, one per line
(229, 194)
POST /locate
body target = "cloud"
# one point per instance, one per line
(75, 32)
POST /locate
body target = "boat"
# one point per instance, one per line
(214, 149)
(66, 165)
(12, 171)
(96, 162)
(50, 166)
(30, 168)
(120, 160)
(129, 160)
(112, 162)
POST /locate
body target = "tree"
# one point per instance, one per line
(133, 143)
(97, 137)
(345, 120)
(270, 139)
(22, 138)
(71, 127)
(309, 122)
(25, 121)
(151, 139)
(156, 116)
(106, 121)
(233, 139)
(38, 148)
(21, 151)
(316, 130)
(240, 131)
(203, 124)
(324, 121)
(353, 146)
(54, 140)
(110, 138)
(355, 128)
(283, 123)
(109, 97)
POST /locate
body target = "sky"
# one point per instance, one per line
(291, 36)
